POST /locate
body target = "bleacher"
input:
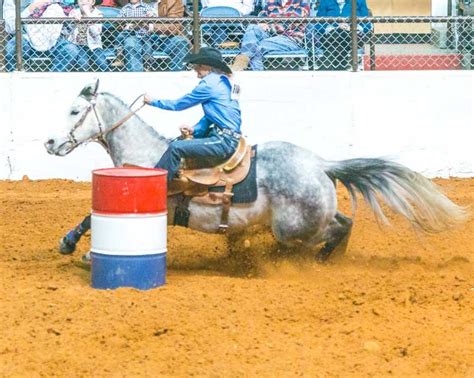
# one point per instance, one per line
(375, 51)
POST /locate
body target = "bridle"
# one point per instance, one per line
(101, 134)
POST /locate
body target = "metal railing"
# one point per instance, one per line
(314, 43)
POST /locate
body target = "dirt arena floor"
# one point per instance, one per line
(397, 303)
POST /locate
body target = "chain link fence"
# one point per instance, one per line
(419, 43)
(3, 42)
(100, 45)
(248, 43)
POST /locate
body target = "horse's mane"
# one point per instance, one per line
(121, 102)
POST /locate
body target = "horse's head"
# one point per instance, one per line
(83, 123)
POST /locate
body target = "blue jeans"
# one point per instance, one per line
(208, 151)
(88, 59)
(313, 33)
(62, 54)
(177, 47)
(257, 42)
(138, 47)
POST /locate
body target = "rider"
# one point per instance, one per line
(217, 134)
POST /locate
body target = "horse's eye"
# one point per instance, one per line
(74, 112)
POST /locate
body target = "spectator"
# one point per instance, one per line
(119, 3)
(39, 38)
(110, 4)
(245, 7)
(262, 39)
(138, 43)
(88, 37)
(335, 38)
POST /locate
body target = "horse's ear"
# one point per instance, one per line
(96, 86)
(90, 90)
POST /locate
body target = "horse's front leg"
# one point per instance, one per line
(67, 245)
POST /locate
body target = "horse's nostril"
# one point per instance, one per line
(50, 141)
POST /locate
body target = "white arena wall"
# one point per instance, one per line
(421, 119)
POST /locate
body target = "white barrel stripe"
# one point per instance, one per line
(135, 235)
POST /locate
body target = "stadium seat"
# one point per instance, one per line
(232, 32)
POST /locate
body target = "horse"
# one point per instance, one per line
(296, 188)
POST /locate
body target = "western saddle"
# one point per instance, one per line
(193, 184)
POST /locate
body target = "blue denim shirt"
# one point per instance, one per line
(214, 93)
(330, 8)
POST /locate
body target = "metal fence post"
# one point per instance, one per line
(196, 27)
(18, 39)
(354, 35)
(3, 37)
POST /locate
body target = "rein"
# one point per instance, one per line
(101, 135)
(124, 119)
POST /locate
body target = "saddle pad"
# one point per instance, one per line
(246, 190)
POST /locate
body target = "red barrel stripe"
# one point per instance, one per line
(129, 191)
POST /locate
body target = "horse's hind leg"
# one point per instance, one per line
(336, 236)
(67, 244)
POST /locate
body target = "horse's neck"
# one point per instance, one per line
(134, 142)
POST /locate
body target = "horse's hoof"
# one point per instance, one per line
(323, 255)
(86, 259)
(66, 247)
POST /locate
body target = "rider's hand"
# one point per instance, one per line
(186, 130)
(147, 99)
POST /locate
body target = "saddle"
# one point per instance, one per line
(194, 183)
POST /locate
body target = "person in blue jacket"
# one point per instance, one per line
(217, 134)
(335, 38)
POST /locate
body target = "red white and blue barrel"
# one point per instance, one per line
(128, 226)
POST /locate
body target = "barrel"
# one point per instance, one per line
(128, 228)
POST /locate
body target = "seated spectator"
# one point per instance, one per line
(245, 7)
(111, 4)
(263, 39)
(88, 37)
(138, 43)
(39, 38)
(335, 39)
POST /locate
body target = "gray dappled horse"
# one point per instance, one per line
(296, 191)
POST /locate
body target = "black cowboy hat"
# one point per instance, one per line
(210, 57)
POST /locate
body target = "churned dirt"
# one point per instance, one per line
(397, 303)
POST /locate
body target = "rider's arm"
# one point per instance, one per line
(199, 95)
(201, 127)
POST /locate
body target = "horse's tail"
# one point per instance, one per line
(406, 192)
